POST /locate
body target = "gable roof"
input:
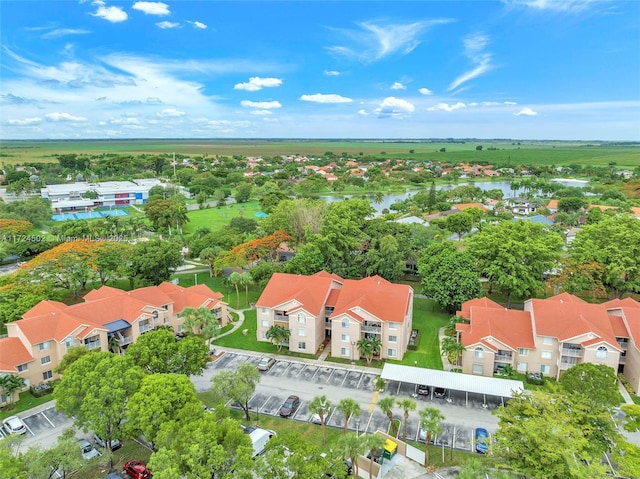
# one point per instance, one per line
(12, 354)
(484, 302)
(310, 291)
(511, 327)
(630, 309)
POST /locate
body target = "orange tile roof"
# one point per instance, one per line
(12, 354)
(617, 324)
(311, 291)
(631, 312)
(464, 206)
(552, 205)
(479, 303)
(511, 327)
(384, 300)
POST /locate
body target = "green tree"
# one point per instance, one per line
(246, 280)
(321, 406)
(292, 457)
(632, 419)
(349, 408)
(515, 256)
(59, 460)
(373, 443)
(238, 386)
(452, 349)
(431, 421)
(71, 356)
(432, 198)
(351, 446)
(158, 351)
(153, 261)
(459, 223)
(369, 347)
(278, 335)
(10, 384)
(208, 256)
(407, 405)
(307, 261)
(597, 383)
(386, 406)
(234, 279)
(448, 275)
(161, 398)
(202, 321)
(243, 192)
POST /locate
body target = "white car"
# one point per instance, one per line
(87, 449)
(14, 425)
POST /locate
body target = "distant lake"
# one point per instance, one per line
(392, 198)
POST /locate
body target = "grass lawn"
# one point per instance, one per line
(220, 285)
(217, 217)
(26, 401)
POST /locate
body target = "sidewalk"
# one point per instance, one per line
(624, 393)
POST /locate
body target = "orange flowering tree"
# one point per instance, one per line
(252, 250)
(9, 227)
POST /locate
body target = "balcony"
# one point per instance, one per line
(125, 340)
(371, 328)
(283, 318)
(572, 352)
(564, 365)
(93, 345)
(327, 325)
(503, 358)
(145, 327)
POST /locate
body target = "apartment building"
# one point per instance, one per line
(108, 319)
(551, 335)
(324, 309)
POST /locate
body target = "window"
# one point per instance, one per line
(301, 318)
(547, 340)
(522, 367)
(302, 345)
(166, 320)
(601, 353)
(22, 367)
(392, 353)
(393, 325)
(43, 346)
(393, 339)
(345, 324)
(265, 323)
(69, 342)
(47, 375)
(344, 351)
(264, 335)
(523, 351)
(544, 369)
(263, 310)
(478, 353)
(302, 332)
(477, 369)
(45, 360)
(344, 337)
(546, 355)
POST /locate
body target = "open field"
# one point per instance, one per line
(527, 152)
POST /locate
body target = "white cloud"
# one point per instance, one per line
(474, 46)
(169, 113)
(526, 111)
(332, 73)
(326, 98)
(26, 121)
(447, 107)
(569, 6)
(199, 25)
(166, 25)
(257, 83)
(61, 116)
(375, 41)
(152, 8)
(62, 32)
(261, 112)
(125, 121)
(510, 103)
(261, 105)
(425, 91)
(111, 14)
(398, 86)
(394, 107)
(363, 112)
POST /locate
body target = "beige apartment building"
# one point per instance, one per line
(108, 319)
(325, 309)
(550, 336)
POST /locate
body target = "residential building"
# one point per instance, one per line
(551, 335)
(326, 309)
(108, 319)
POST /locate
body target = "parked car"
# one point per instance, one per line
(136, 469)
(265, 363)
(14, 425)
(259, 438)
(316, 419)
(482, 440)
(115, 443)
(87, 450)
(439, 392)
(422, 390)
(289, 406)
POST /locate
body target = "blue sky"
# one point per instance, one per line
(526, 69)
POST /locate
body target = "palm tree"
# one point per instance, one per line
(349, 408)
(373, 442)
(321, 406)
(408, 405)
(278, 335)
(369, 347)
(351, 447)
(386, 405)
(245, 280)
(452, 349)
(378, 198)
(208, 256)
(430, 420)
(11, 383)
(234, 279)
(201, 321)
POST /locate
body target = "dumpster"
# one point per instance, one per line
(390, 449)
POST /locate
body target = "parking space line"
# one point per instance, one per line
(361, 377)
(344, 379)
(45, 416)
(314, 374)
(330, 374)
(263, 404)
(372, 406)
(29, 429)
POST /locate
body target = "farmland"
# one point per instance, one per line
(494, 151)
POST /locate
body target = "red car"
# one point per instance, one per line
(137, 469)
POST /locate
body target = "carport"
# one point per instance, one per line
(502, 388)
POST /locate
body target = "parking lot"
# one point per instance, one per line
(308, 379)
(44, 427)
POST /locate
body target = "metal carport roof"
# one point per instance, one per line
(448, 380)
(117, 325)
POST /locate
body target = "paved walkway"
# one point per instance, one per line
(624, 393)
